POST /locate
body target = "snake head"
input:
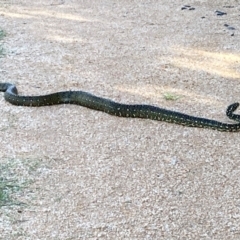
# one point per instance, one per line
(231, 108)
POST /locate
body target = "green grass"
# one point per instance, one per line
(16, 176)
(171, 97)
(10, 184)
(7, 189)
(17, 193)
(2, 52)
(2, 35)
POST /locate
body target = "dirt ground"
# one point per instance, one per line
(95, 176)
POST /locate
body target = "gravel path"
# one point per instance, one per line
(95, 176)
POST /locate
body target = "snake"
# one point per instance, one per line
(111, 107)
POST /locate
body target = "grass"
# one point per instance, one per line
(2, 35)
(16, 175)
(171, 97)
(7, 189)
(16, 194)
(2, 52)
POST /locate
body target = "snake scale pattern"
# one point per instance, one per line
(118, 109)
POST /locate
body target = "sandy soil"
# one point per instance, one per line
(96, 176)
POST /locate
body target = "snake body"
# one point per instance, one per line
(88, 100)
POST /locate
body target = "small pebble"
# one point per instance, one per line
(219, 13)
(229, 27)
(187, 7)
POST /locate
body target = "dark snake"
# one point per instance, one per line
(88, 100)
